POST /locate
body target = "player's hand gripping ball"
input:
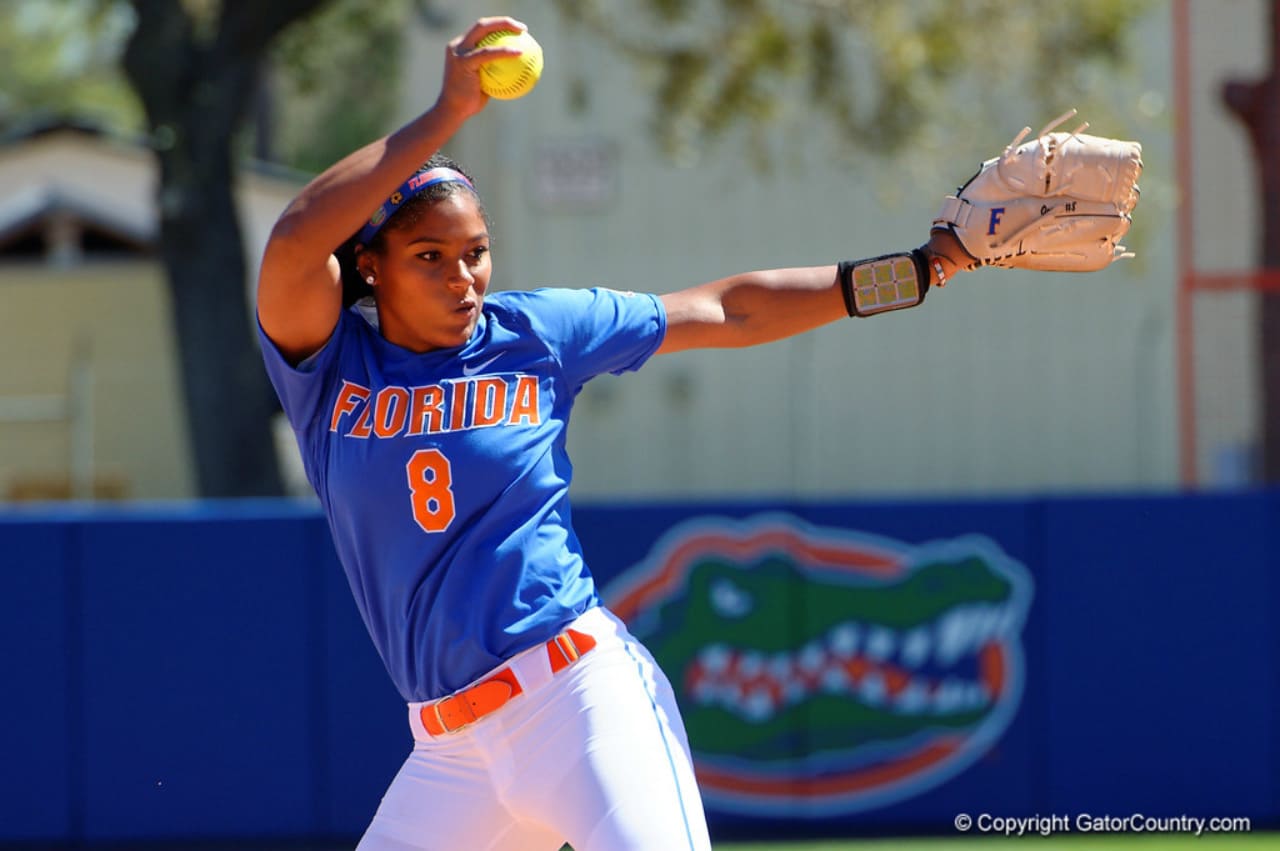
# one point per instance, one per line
(510, 78)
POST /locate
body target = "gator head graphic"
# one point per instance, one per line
(821, 671)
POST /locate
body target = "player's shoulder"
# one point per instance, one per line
(562, 313)
(550, 300)
(538, 298)
(534, 308)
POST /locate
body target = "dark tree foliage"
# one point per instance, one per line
(877, 73)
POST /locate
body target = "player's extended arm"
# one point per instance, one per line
(759, 307)
(299, 286)
(1060, 202)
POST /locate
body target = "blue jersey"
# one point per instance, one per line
(444, 475)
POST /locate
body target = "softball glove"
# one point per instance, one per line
(1060, 202)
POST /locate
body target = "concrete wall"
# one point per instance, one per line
(1006, 382)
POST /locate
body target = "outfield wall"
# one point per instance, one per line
(200, 672)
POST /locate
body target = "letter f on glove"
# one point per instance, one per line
(996, 213)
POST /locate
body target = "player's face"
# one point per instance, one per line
(431, 276)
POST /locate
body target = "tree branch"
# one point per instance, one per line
(249, 26)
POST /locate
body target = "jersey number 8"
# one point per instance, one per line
(430, 491)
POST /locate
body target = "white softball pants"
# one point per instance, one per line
(594, 755)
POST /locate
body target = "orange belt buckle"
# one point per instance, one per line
(451, 714)
(567, 647)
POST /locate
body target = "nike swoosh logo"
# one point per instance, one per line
(472, 370)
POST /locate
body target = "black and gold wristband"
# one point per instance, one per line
(884, 283)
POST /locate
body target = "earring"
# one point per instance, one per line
(369, 280)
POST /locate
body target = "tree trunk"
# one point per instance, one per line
(196, 91)
(1257, 104)
(228, 399)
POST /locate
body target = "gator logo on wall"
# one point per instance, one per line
(823, 671)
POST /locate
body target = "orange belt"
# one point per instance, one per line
(452, 713)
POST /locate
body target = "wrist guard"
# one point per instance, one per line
(880, 284)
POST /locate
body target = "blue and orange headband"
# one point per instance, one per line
(411, 187)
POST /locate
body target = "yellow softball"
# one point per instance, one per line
(507, 79)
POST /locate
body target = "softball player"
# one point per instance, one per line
(431, 420)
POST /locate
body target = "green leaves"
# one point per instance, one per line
(59, 58)
(338, 76)
(879, 72)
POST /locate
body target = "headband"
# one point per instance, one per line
(413, 186)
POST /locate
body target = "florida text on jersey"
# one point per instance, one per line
(459, 548)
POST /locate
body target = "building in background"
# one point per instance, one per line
(90, 402)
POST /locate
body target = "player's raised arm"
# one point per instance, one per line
(760, 307)
(299, 286)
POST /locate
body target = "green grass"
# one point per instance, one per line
(1072, 842)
